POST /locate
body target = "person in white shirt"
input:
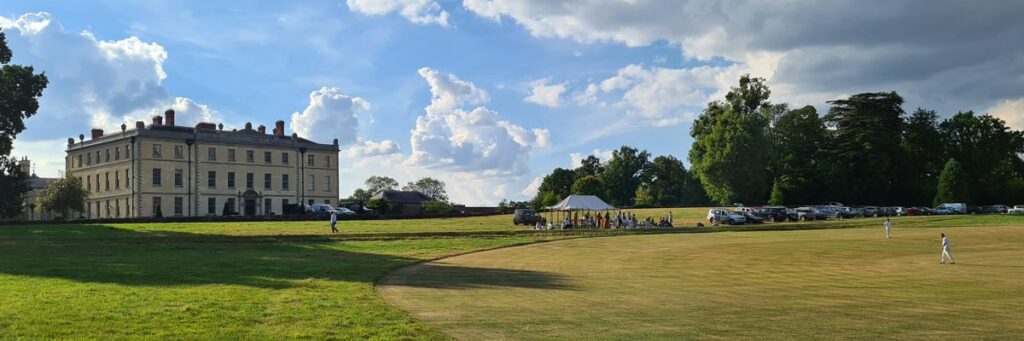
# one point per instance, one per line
(945, 251)
(888, 228)
(334, 222)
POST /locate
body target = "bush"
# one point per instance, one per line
(381, 206)
(436, 207)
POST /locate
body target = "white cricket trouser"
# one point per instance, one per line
(888, 231)
(945, 254)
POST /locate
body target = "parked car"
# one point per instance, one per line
(900, 211)
(344, 211)
(829, 211)
(870, 211)
(527, 217)
(941, 211)
(808, 214)
(1018, 209)
(955, 208)
(724, 216)
(776, 214)
(853, 212)
(322, 209)
(1000, 208)
(752, 218)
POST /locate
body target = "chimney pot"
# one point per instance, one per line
(279, 128)
(158, 120)
(96, 132)
(262, 129)
(169, 117)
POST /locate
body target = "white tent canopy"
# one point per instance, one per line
(581, 203)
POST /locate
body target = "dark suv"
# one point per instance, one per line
(527, 217)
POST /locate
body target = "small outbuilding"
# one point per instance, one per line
(403, 202)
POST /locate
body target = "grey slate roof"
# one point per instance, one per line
(402, 197)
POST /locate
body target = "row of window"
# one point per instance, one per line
(95, 209)
(268, 157)
(179, 154)
(87, 158)
(88, 181)
(211, 180)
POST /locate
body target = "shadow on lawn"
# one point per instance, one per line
(104, 254)
(443, 276)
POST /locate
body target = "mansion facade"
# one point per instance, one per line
(168, 170)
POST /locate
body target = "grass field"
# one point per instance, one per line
(820, 284)
(270, 280)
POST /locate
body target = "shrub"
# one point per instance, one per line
(436, 207)
(381, 206)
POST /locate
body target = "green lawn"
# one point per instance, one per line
(262, 280)
(815, 284)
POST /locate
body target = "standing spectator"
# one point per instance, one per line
(945, 251)
(334, 222)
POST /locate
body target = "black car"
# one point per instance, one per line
(527, 217)
(752, 218)
(776, 214)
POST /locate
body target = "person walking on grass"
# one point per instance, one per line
(334, 222)
(945, 251)
(888, 228)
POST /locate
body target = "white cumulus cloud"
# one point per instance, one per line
(476, 140)
(368, 148)
(416, 11)
(1011, 111)
(576, 159)
(542, 93)
(330, 114)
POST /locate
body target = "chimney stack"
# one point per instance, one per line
(279, 128)
(262, 129)
(139, 125)
(25, 165)
(158, 120)
(169, 117)
(96, 132)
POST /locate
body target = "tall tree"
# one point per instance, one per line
(13, 185)
(987, 149)
(433, 188)
(800, 137)
(667, 180)
(591, 165)
(624, 173)
(361, 195)
(375, 184)
(731, 150)
(925, 156)
(588, 185)
(953, 184)
(777, 197)
(65, 195)
(20, 89)
(554, 187)
(866, 152)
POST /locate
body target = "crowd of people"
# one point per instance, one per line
(605, 220)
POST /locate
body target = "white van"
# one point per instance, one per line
(955, 208)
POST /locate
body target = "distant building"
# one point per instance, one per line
(403, 202)
(36, 187)
(198, 171)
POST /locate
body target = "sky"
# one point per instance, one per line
(491, 95)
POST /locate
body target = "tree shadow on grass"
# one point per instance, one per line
(104, 254)
(444, 276)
